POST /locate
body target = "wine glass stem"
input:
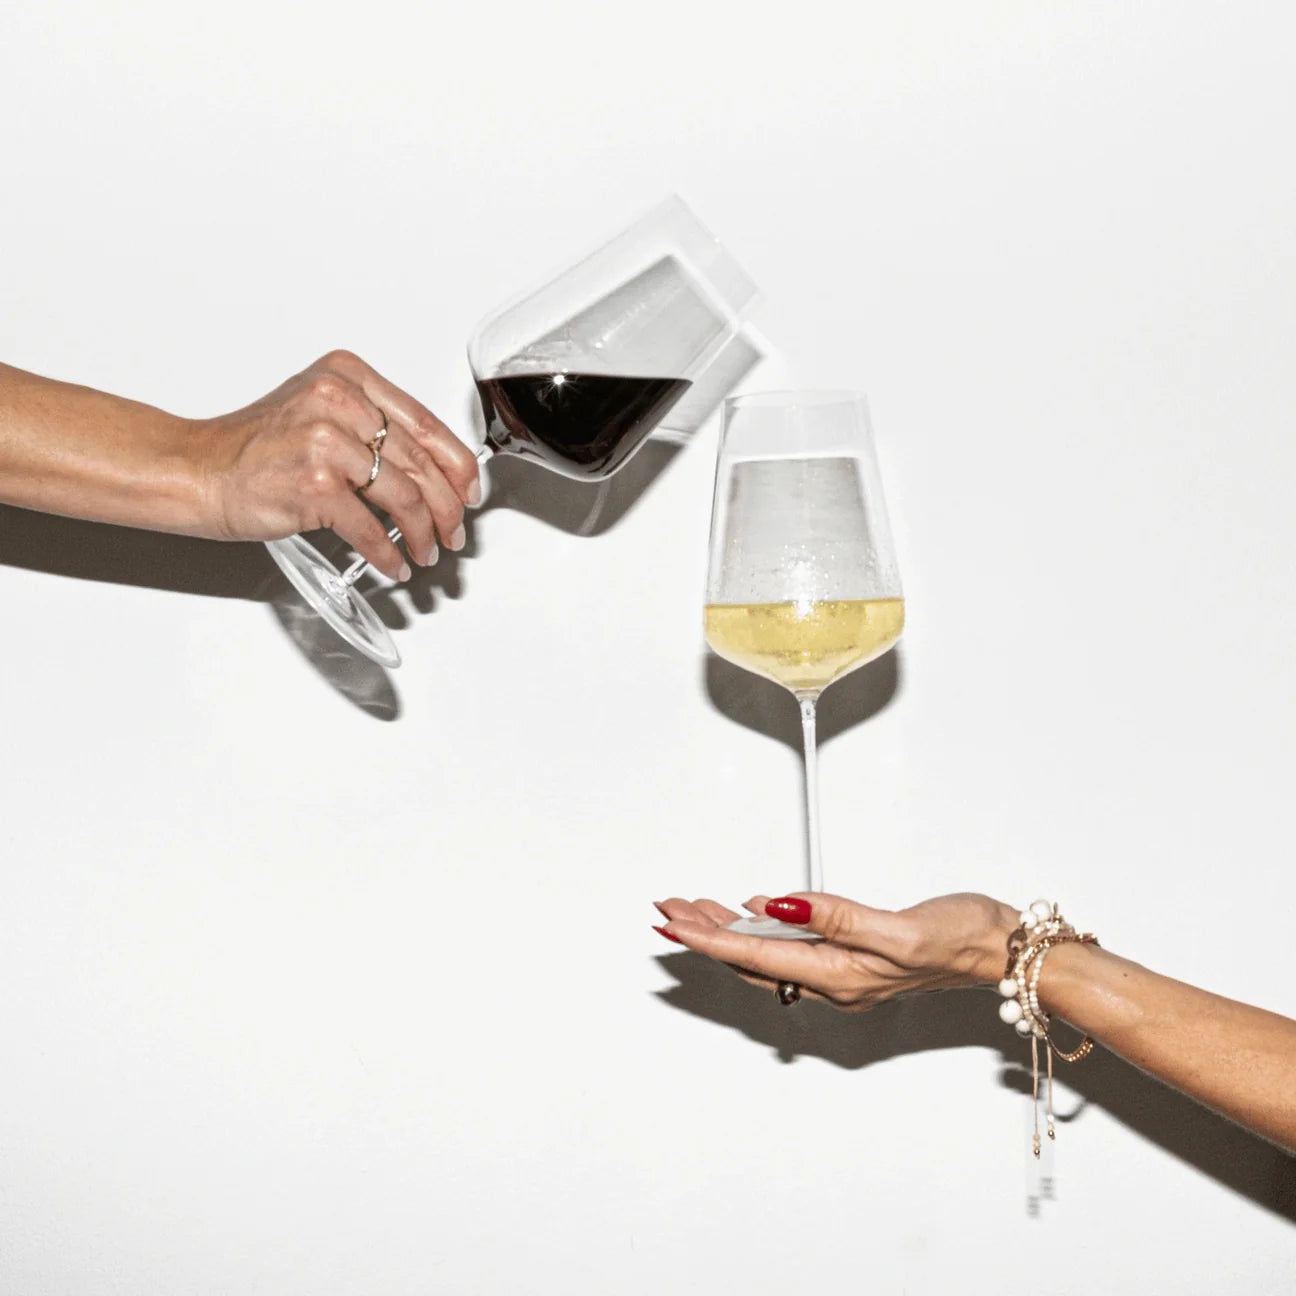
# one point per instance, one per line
(361, 565)
(357, 568)
(807, 702)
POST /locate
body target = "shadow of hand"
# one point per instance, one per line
(126, 556)
(946, 1019)
(940, 1020)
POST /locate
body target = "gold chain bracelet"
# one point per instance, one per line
(1042, 927)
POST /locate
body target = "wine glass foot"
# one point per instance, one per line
(339, 604)
(771, 929)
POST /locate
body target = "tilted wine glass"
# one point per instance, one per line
(574, 375)
(802, 583)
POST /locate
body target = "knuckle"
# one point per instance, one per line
(421, 463)
(322, 442)
(332, 391)
(456, 461)
(908, 947)
(428, 427)
(325, 386)
(837, 925)
(464, 466)
(340, 359)
(318, 483)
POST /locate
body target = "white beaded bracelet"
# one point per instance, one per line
(1041, 928)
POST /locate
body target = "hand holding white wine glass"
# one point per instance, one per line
(802, 584)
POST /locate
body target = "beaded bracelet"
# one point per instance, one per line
(1041, 928)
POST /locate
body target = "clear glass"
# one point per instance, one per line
(575, 375)
(802, 582)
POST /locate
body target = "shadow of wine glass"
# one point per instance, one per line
(575, 507)
(96, 551)
(941, 1020)
(362, 682)
(769, 708)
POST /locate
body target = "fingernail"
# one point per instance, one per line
(660, 910)
(433, 554)
(457, 538)
(474, 494)
(670, 936)
(789, 909)
(405, 572)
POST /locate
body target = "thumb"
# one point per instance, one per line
(842, 921)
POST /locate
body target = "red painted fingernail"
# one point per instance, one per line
(661, 931)
(789, 909)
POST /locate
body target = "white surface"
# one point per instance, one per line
(296, 1000)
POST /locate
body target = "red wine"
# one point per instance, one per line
(583, 425)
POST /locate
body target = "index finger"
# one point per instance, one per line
(845, 922)
(450, 454)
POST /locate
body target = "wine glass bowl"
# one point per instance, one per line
(577, 373)
(802, 581)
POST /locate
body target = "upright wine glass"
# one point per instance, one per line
(802, 584)
(574, 375)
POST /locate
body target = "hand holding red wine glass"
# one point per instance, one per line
(574, 375)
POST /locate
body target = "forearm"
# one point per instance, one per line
(1234, 1058)
(82, 453)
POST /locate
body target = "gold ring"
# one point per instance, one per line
(376, 446)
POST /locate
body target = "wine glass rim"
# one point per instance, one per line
(677, 243)
(793, 396)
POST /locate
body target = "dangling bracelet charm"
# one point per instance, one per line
(1041, 928)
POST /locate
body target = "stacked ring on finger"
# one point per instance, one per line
(375, 447)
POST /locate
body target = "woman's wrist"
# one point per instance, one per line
(1082, 981)
(990, 953)
(202, 459)
(174, 495)
(166, 484)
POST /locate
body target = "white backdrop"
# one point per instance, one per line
(318, 980)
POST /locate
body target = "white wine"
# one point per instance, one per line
(805, 645)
